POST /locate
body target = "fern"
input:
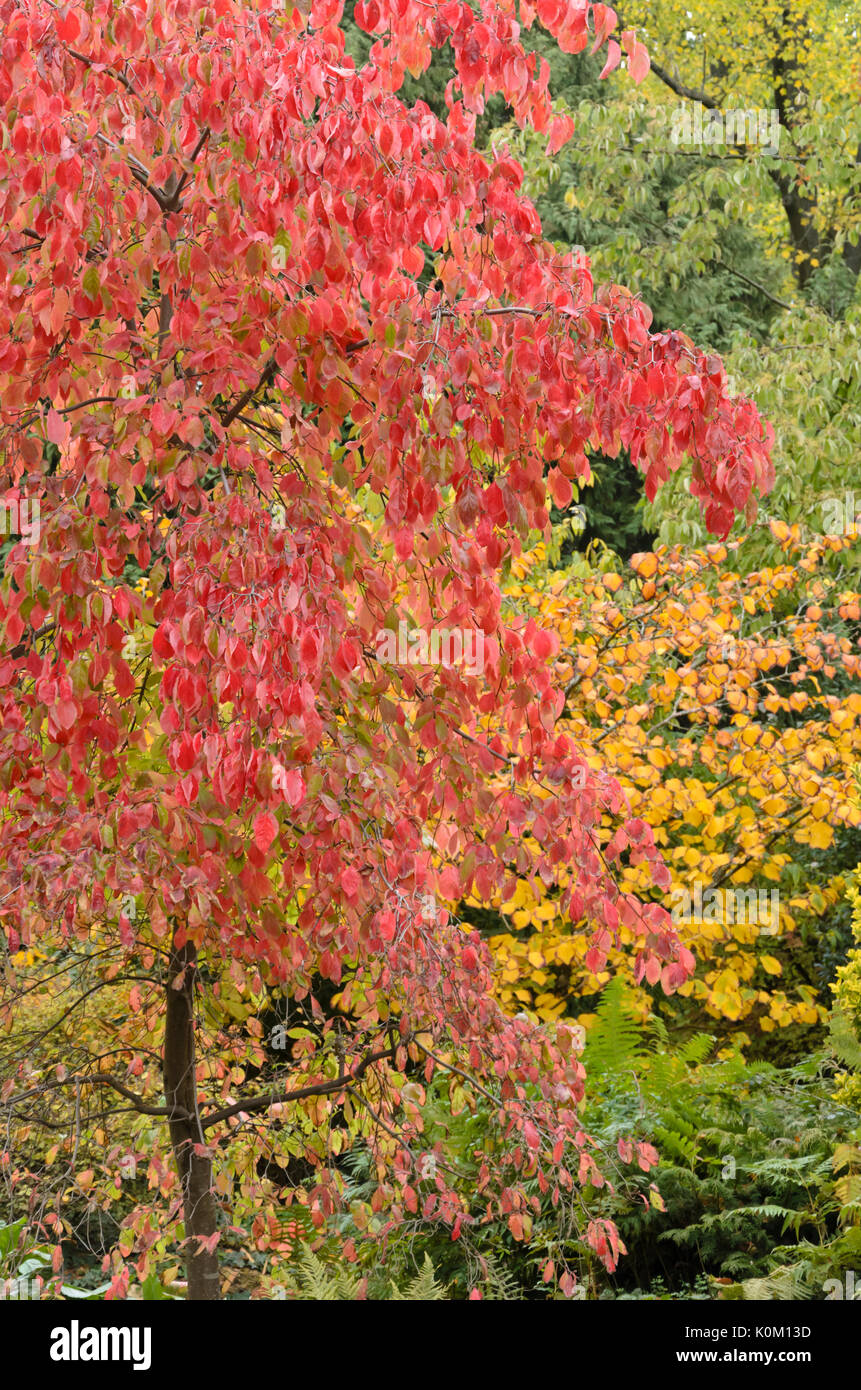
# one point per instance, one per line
(319, 1284)
(784, 1285)
(500, 1284)
(843, 1038)
(675, 1144)
(316, 1281)
(615, 1041)
(423, 1288)
(696, 1049)
(766, 1211)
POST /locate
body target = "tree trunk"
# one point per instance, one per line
(180, 1089)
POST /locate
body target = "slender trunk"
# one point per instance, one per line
(180, 1089)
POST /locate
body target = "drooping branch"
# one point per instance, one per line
(142, 1106)
(317, 1088)
(118, 77)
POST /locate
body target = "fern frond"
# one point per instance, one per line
(423, 1288)
(844, 1039)
(319, 1284)
(615, 1042)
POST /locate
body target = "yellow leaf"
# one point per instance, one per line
(821, 835)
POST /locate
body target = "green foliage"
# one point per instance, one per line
(320, 1280)
(616, 1042)
(22, 1257)
(846, 1017)
(757, 1188)
(804, 376)
(423, 1288)
(844, 1039)
(747, 1160)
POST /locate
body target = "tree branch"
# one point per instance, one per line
(142, 1106)
(317, 1088)
(266, 376)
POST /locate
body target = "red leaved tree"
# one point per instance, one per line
(286, 364)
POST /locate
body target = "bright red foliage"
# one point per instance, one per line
(209, 217)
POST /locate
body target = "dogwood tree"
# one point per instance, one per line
(286, 363)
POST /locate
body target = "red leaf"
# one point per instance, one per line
(614, 58)
(386, 925)
(639, 62)
(68, 27)
(65, 713)
(289, 782)
(449, 882)
(595, 960)
(265, 830)
(161, 642)
(531, 1135)
(57, 428)
(350, 882)
(123, 679)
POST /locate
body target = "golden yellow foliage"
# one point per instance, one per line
(713, 706)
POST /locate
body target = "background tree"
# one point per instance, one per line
(751, 252)
(727, 707)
